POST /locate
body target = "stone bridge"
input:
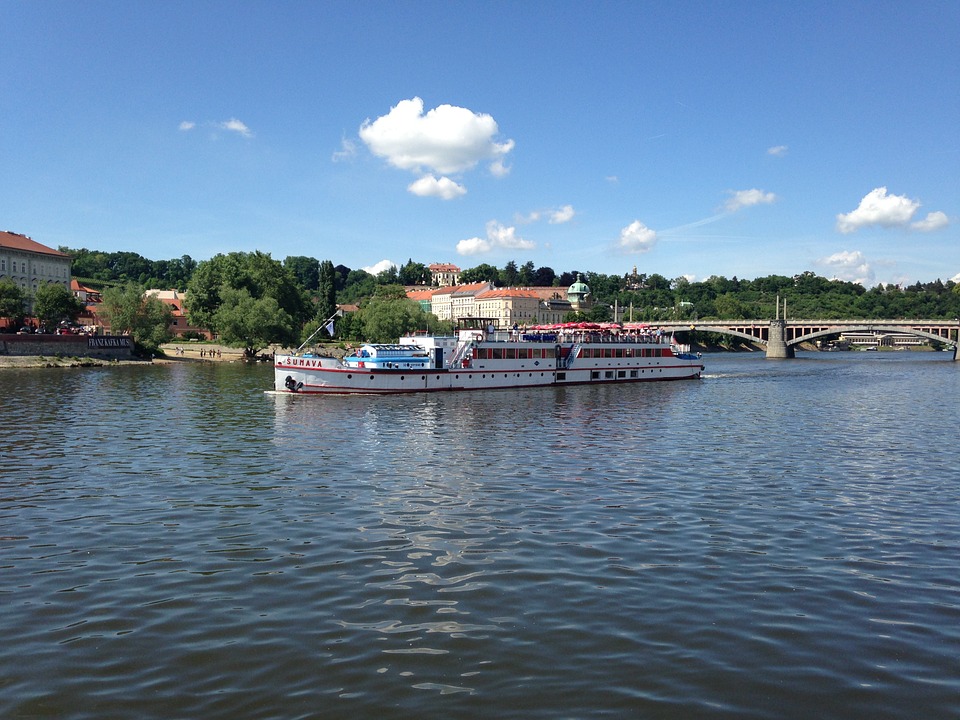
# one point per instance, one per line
(781, 337)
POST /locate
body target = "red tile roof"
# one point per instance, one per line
(77, 287)
(15, 241)
(463, 289)
(420, 293)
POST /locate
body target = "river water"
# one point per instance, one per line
(780, 539)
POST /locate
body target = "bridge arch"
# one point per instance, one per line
(722, 330)
(885, 329)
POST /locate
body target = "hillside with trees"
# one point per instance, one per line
(252, 300)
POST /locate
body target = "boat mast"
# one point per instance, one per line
(322, 326)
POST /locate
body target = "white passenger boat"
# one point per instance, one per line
(569, 354)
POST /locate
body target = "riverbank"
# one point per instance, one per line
(200, 352)
(42, 361)
(191, 352)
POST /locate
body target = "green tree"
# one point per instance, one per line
(390, 314)
(391, 292)
(179, 272)
(341, 272)
(12, 303)
(414, 274)
(326, 291)
(305, 269)
(129, 266)
(53, 303)
(145, 317)
(357, 284)
(729, 307)
(544, 277)
(599, 313)
(252, 323)
(90, 264)
(390, 276)
(527, 274)
(509, 275)
(480, 273)
(257, 273)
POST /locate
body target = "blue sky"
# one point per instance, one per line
(684, 138)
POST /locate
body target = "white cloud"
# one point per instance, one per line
(933, 221)
(554, 216)
(745, 198)
(506, 237)
(430, 186)
(447, 139)
(637, 237)
(474, 246)
(878, 208)
(777, 150)
(380, 267)
(231, 125)
(498, 237)
(849, 265)
(348, 149)
(498, 168)
(562, 215)
(956, 278)
(234, 125)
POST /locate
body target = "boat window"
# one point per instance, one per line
(497, 353)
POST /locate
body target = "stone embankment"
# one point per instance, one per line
(49, 350)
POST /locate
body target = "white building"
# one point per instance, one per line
(28, 264)
(444, 274)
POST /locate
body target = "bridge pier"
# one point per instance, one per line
(777, 347)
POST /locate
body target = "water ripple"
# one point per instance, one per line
(780, 540)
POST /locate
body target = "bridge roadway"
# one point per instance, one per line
(781, 337)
